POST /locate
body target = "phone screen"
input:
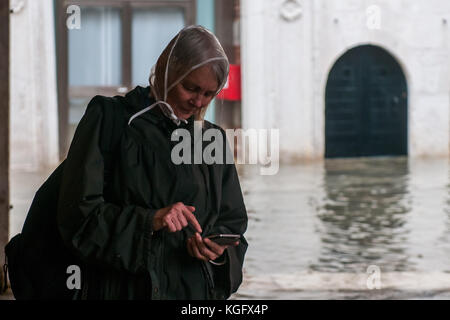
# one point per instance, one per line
(224, 239)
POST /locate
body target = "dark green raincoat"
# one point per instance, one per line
(105, 214)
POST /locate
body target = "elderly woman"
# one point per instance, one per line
(139, 223)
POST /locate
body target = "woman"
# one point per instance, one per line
(139, 225)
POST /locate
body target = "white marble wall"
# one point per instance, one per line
(286, 65)
(34, 114)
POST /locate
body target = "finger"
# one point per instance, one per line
(181, 205)
(196, 251)
(182, 220)
(193, 220)
(176, 223)
(216, 248)
(203, 249)
(169, 223)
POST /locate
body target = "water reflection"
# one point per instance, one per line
(363, 215)
(314, 228)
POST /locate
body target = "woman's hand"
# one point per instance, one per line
(205, 249)
(175, 217)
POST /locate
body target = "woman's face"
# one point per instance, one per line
(194, 92)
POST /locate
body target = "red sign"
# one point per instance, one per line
(232, 89)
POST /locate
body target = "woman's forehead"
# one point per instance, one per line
(203, 77)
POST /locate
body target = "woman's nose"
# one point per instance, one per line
(197, 101)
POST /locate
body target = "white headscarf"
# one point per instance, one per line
(166, 107)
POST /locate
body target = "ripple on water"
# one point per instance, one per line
(340, 216)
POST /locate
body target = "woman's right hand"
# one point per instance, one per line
(175, 217)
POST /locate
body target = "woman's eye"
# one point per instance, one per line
(188, 88)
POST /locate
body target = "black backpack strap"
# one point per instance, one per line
(5, 275)
(113, 124)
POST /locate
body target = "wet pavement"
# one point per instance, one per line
(315, 228)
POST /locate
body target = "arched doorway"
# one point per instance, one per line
(366, 105)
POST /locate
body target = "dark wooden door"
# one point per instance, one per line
(366, 105)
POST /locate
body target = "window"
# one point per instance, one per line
(114, 50)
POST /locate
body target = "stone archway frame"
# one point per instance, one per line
(372, 147)
(321, 83)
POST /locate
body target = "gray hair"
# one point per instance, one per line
(191, 48)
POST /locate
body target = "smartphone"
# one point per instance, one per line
(224, 239)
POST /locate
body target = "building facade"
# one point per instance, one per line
(64, 52)
(338, 79)
(348, 78)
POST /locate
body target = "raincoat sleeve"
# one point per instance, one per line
(232, 219)
(99, 232)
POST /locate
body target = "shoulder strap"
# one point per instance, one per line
(113, 124)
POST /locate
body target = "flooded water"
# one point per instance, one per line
(315, 229)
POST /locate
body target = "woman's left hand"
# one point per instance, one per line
(204, 249)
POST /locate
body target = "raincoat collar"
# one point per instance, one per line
(139, 98)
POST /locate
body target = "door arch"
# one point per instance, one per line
(366, 105)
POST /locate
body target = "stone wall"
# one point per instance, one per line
(286, 60)
(34, 114)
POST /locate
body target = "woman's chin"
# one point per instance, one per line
(185, 115)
